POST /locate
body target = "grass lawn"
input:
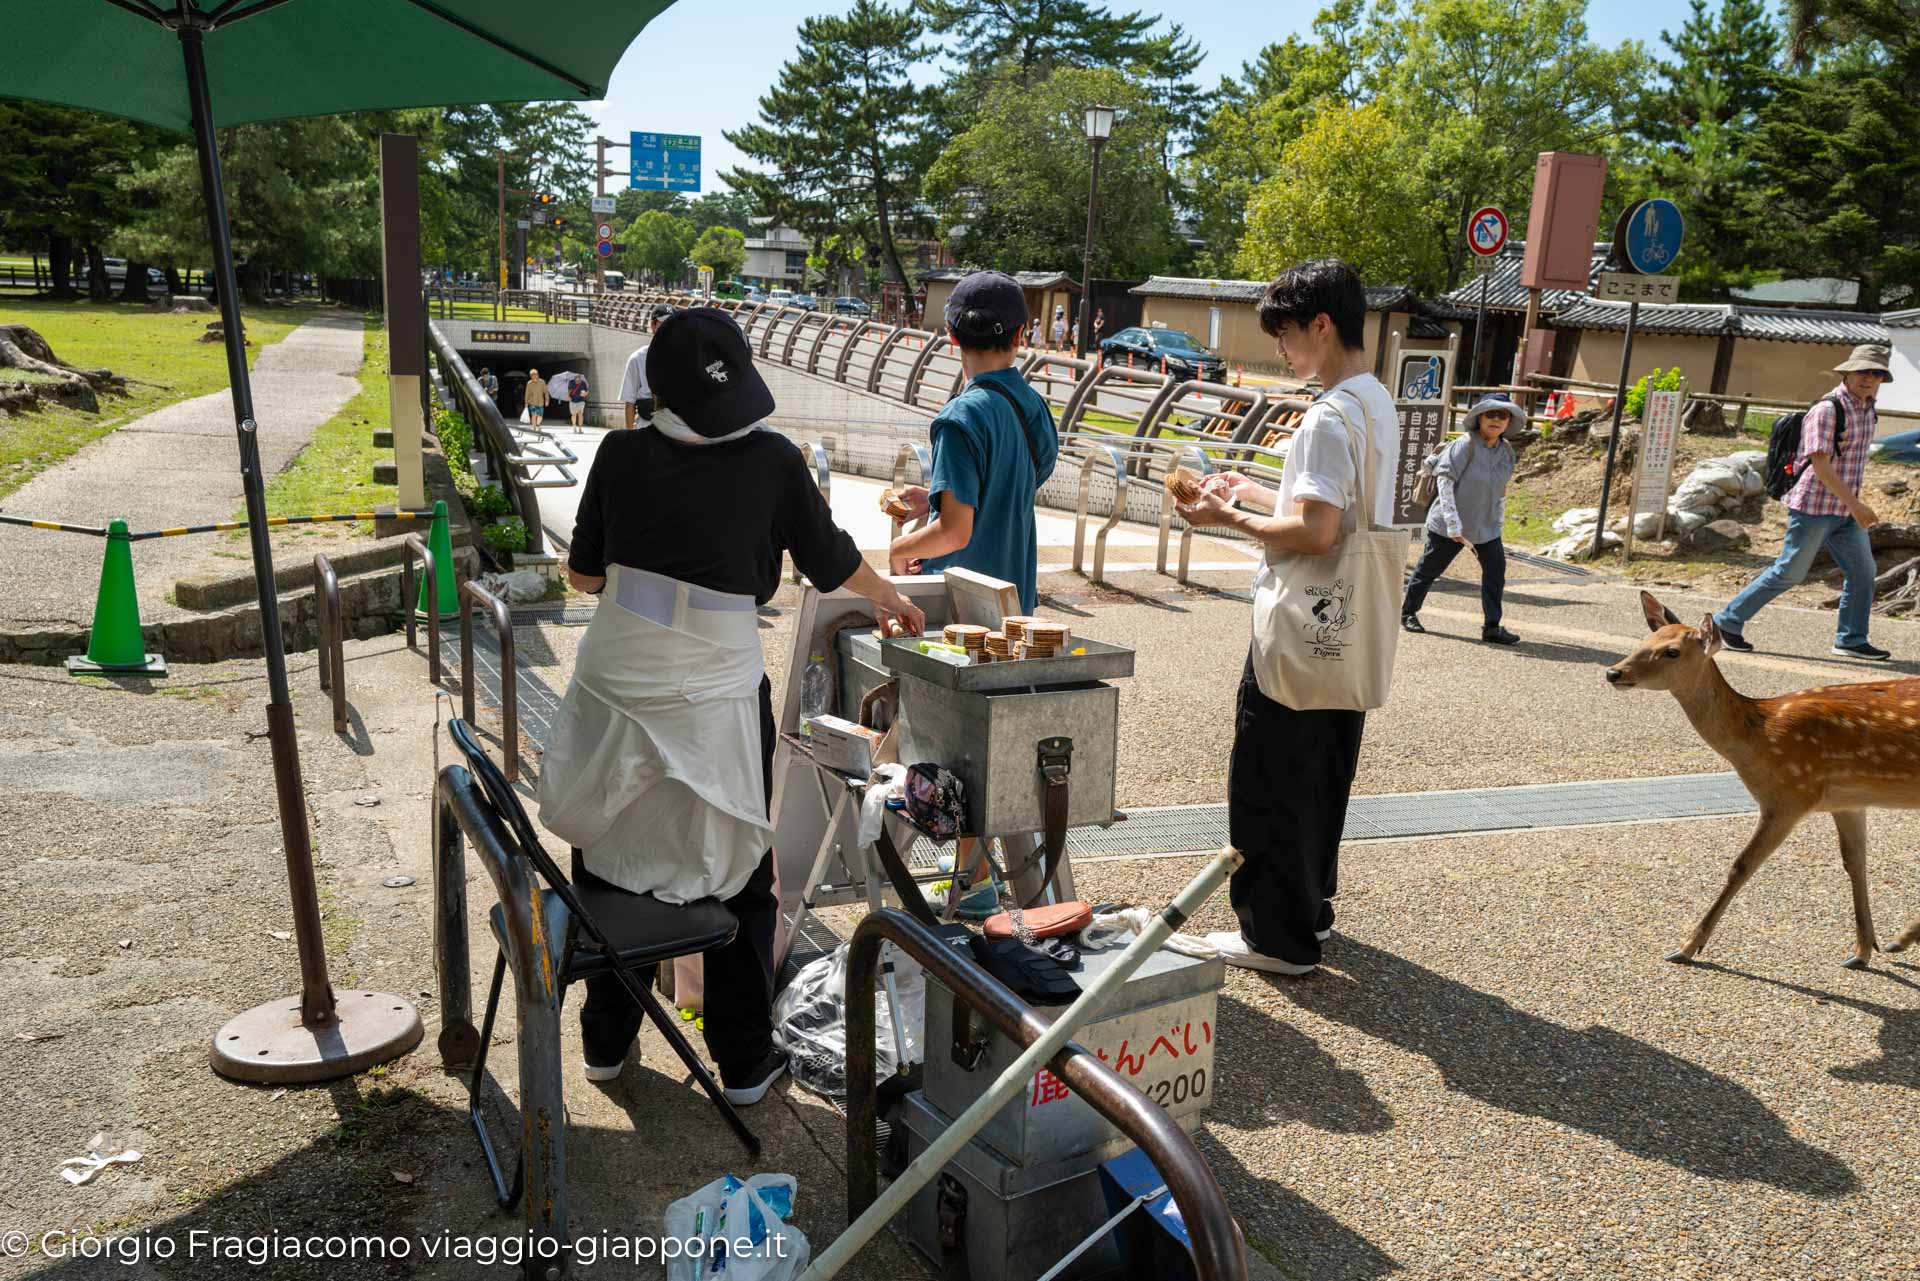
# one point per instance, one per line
(334, 473)
(160, 354)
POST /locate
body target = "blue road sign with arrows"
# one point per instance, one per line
(665, 161)
(1653, 236)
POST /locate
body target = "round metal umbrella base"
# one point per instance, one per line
(269, 1044)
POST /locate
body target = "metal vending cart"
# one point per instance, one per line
(1034, 742)
(986, 724)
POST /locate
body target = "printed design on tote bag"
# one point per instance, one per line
(1331, 617)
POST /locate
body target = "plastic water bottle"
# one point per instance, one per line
(814, 687)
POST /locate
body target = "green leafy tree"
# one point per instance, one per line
(62, 174)
(1012, 190)
(302, 195)
(723, 209)
(1839, 160)
(1483, 86)
(1035, 37)
(657, 244)
(1240, 144)
(548, 147)
(722, 248)
(839, 130)
(1346, 188)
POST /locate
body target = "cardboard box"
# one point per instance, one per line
(841, 745)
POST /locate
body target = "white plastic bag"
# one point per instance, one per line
(735, 1231)
(810, 1022)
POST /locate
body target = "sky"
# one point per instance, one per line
(700, 68)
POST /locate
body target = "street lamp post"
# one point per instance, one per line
(1099, 128)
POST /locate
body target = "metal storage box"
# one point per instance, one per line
(1018, 1220)
(985, 724)
(1157, 1033)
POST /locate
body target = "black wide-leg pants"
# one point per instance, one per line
(1287, 789)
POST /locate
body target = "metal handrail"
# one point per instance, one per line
(933, 346)
(1219, 1251)
(332, 636)
(822, 463)
(1199, 455)
(1253, 406)
(912, 451)
(1119, 461)
(415, 545)
(495, 437)
(472, 596)
(853, 341)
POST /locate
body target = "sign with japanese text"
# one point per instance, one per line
(1660, 422)
(665, 161)
(1624, 286)
(1419, 391)
(520, 337)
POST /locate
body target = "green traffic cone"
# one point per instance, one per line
(440, 543)
(114, 642)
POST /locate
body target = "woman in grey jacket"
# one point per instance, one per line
(1470, 511)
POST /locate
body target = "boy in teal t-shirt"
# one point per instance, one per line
(994, 445)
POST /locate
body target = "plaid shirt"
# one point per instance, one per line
(1808, 496)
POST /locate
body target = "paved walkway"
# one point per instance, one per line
(176, 466)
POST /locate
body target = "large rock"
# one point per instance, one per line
(1576, 519)
(1721, 474)
(1718, 536)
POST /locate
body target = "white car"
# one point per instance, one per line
(781, 297)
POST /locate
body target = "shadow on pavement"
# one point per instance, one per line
(1899, 1061)
(1641, 1098)
(1308, 1086)
(1289, 1231)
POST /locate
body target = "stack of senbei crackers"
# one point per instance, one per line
(971, 636)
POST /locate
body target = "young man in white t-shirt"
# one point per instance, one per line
(1291, 771)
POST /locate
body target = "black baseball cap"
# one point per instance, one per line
(986, 307)
(699, 367)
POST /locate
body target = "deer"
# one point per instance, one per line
(1838, 749)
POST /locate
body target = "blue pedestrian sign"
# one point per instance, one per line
(665, 161)
(1652, 240)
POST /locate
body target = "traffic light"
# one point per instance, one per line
(544, 198)
(558, 222)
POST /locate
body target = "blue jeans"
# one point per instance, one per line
(1806, 535)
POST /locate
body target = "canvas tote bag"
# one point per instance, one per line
(1325, 628)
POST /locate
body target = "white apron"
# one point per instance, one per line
(654, 768)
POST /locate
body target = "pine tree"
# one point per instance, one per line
(840, 130)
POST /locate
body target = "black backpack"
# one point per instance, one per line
(1783, 445)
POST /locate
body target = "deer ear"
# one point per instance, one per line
(1658, 615)
(1710, 633)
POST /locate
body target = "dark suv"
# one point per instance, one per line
(1185, 358)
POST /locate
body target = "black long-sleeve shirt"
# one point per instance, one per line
(719, 516)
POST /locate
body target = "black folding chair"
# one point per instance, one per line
(607, 930)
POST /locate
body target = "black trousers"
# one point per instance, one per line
(1434, 561)
(1287, 789)
(738, 978)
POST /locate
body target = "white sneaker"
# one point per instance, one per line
(759, 1081)
(611, 1072)
(1233, 950)
(1323, 935)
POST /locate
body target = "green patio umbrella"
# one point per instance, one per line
(201, 66)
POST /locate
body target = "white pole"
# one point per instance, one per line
(1014, 1080)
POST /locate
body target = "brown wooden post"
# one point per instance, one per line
(406, 321)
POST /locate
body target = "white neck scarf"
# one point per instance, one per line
(674, 428)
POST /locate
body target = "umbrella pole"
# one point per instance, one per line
(314, 1039)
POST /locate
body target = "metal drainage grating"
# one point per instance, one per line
(1180, 829)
